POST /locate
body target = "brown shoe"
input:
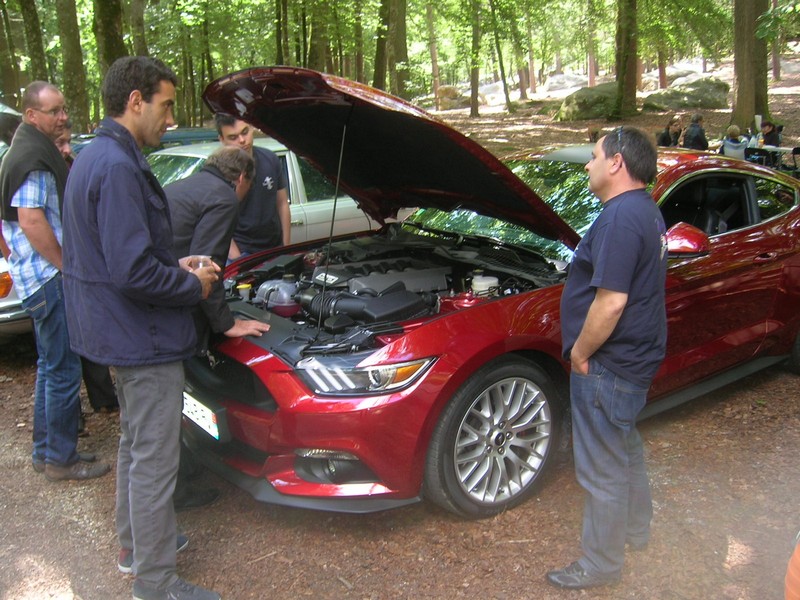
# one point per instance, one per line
(79, 470)
(38, 465)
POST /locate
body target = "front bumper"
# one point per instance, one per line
(262, 489)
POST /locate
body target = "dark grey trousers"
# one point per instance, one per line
(150, 400)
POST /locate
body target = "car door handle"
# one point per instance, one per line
(296, 222)
(766, 257)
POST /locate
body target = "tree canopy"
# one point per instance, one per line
(398, 45)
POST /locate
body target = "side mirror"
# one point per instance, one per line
(684, 240)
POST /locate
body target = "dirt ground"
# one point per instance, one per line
(724, 470)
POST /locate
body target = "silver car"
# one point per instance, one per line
(13, 318)
(311, 196)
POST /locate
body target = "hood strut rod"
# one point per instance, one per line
(333, 215)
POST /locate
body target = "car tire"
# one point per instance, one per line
(495, 440)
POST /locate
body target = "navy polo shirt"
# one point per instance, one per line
(259, 225)
(625, 250)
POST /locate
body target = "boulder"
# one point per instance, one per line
(563, 81)
(693, 92)
(588, 103)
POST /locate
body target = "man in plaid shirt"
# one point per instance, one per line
(32, 180)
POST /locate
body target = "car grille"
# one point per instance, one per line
(228, 379)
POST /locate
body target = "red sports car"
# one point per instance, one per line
(425, 360)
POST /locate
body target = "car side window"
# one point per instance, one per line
(774, 198)
(716, 204)
(317, 187)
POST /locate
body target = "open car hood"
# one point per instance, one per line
(393, 154)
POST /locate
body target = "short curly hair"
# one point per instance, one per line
(131, 73)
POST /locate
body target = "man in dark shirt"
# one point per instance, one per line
(264, 214)
(204, 208)
(613, 329)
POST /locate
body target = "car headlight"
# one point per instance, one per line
(336, 376)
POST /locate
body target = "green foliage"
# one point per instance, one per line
(193, 36)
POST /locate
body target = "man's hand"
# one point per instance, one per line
(207, 277)
(243, 327)
(602, 318)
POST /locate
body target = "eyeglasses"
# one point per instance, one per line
(53, 112)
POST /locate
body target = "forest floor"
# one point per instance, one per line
(724, 469)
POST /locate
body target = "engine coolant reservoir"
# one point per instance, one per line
(484, 285)
(278, 295)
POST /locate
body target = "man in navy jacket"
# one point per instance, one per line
(129, 305)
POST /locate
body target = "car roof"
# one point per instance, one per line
(205, 149)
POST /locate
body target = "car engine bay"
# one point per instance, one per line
(340, 298)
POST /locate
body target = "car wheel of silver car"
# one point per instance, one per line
(494, 440)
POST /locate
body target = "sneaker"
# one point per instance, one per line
(180, 590)
(125, 561)
(573, 577)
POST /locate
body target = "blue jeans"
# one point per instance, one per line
(609, 465)
(57, 405)
(150, 402)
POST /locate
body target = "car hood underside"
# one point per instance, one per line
(387, 153)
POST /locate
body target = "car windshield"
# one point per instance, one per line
(562, 185)
(172, 167)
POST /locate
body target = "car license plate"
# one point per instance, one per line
(201, 415)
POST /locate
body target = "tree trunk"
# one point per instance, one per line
(280, 20)
(475, 57)
(319, 57)
(761, 57)
(747, 61)
(359, 35)
(137, 28)
(285, 32)
(379, 75)
(498, 49)
(518, 47)
(531, 64)
(434, 51)
(8, 61)
(776, 48)
(626, 60)
(74, 75)
(33, 41)
(662, 70)
(108, 32)
(398, 63)
(591, 43)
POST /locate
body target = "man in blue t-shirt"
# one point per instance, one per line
(614, 333)
(264, 214)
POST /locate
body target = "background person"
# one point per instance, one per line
(769, 134)
(264, 215)
(32, 179)
(695, 136)
(672, 135)
(614, 332)
(97, 378)
(129, 304)
(733, 144)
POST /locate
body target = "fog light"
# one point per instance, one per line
(324, 454)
